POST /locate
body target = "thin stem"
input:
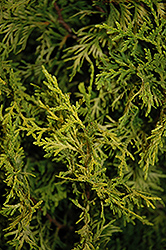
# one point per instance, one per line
(48, 216)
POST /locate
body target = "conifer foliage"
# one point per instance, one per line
(82, 124)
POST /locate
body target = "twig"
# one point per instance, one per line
(60, 18)
(99, 8)
(56, 223)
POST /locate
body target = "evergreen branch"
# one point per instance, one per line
(105, 148)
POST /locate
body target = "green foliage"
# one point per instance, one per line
(82, 148)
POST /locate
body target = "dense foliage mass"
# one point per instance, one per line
(82, 124)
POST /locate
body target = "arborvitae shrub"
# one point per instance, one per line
(82, 124)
